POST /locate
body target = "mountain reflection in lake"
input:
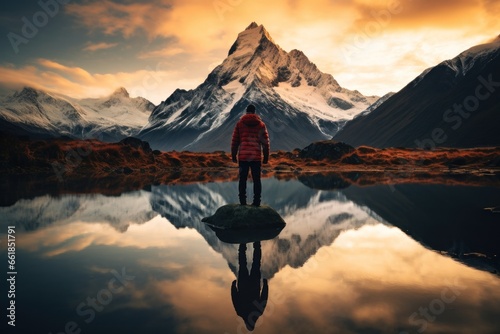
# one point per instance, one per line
(380, 259)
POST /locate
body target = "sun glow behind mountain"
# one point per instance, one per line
(87, 49)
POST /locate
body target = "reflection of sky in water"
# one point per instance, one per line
(335, 268)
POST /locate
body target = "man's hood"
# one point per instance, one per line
(251, 119)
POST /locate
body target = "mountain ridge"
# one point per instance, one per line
(452, 104)
(288, 90)
(38, 113)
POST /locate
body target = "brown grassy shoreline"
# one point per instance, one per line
(133, 162)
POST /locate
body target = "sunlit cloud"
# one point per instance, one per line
(161, 53)
(76, 82)
(99, 46)
(114, 17)
(327, 32)
(357, 41)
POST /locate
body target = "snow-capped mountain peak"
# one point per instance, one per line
(249, 40)
(288, 90)
(249, 58)
(38, 113)
(121, 91)
(27, 93)
(252, 26)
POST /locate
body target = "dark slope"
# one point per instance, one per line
(454, 104)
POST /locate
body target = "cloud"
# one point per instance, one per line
(154, 84)
(113, 17)
(354, 40)
(201, 26)
(204, 25)
(99, 46)
(161, 53)
(323, 29)
(409, 14)
(76, 73)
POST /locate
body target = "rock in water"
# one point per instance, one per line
(235, 216)
(237, 224)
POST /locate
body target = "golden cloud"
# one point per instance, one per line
(77, 82)
(99, 46)
(356, 40)
(326, 31)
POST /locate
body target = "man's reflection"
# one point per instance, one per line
(248, 300)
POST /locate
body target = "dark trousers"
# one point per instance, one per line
(254, 167)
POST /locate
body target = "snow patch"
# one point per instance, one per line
(236, 90)
(177, 113)
(312, 101)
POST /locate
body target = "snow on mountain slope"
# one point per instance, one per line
(466, 60)
(44, 114)
(288, 90)
(375, 105)
(118, 108)
(41, 112)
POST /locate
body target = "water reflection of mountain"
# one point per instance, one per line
(450, 220)
(314, 218)
(118, 211)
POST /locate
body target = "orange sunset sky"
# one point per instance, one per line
(89, 48)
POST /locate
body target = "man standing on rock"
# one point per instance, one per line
(250, 140)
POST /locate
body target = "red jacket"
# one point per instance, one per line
(249, 135)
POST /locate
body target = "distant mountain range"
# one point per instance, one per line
(454, 104)
(299, 103)
(39, 114)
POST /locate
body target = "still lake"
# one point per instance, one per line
(408, 258)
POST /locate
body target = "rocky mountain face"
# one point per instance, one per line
(299, 103)
(454, 104)
(40, 114)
